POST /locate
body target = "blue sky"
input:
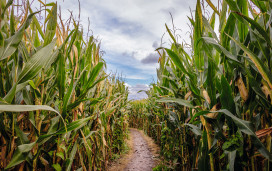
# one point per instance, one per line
(130, 31)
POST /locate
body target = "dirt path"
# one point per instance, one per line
(142, 158)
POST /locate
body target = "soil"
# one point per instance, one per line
(142, 159)
(142, 156)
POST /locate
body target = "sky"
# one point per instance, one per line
(130, 31)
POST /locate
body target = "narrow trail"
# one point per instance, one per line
(142, 158)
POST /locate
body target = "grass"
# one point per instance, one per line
(122, 160)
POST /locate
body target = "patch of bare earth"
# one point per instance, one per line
(142, 156)
(154, 148)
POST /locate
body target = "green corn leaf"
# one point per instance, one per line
(256, 86)
(171, 35)
(2, 101)
(68, 94)
(57, 167)
(21, 135)
(25, 108)
(37, 24)
(51, 26)
(226, 97)
(53, 125)
(12, 22)
(17, 158)
(85, 91)
(257, 26)
(242, 27)
(198, 30)
(261, 5)
(9, 3)
(2, 39)
(198, 21)
(196, 130)
(263, 70)
(198, 114)
(203, 161)
(212, 6)
(233, 5)
(61, 75)
(24, 52)
(229, 28)
(175, 100)
(191, 21)
(39, 60)
(247, 128)
(61, 68)
(177, 61)
(67, 97)
(92, 101)
(11, 44)
(96, 70)
(210, 82)
(209, 27)
(21, 86)
(222, 17)
(20, 154)
(10, 96)
(72, 156)
(220, 48)
(70, 127)
(50, 4)
(60, 154)
(73, 35)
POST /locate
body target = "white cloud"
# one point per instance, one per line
(134, 93)
(135, 77)
(130, 30)
(127, 85)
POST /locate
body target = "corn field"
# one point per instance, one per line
(210, 108)
(59, 110)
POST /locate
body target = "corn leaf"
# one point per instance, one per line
(39, 60)
(11, 44)
(25, 108)
(247, 128)
(20, 154)
(175, 100)
(51, 26)
(263, 70)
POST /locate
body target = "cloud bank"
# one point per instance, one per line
(131, 30)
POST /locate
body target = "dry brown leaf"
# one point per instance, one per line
(80, 107)
(263, 132)
(266, 91)
(20, 117)
(206, 96)
(242, 88)
(214, 108)
(188, 95)
(44, 162)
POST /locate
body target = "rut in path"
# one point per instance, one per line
(142, 159)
